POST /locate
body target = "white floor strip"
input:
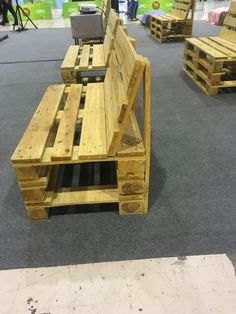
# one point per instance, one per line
(196, 284)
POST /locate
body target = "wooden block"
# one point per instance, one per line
(38, 213)
(26, 173)
(131, 207)
(33, 195)
(131, 169)
(127, 187)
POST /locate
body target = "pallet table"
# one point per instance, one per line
(176, 24)
(89, 124)
(211, 62)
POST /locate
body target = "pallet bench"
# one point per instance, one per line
(87, 63)
(175, 24)
(211, 62)
(91, 124)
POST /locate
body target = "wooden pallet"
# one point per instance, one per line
(211, 62)
(175, 24)
(89, 124)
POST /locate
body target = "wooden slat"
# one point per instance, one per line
(70, 58)
(232, 8)
(204, 47)
(163, 18)
(93, 134)
(115, 98)
(86, 195)
(98, 61)
(230, 20)
(126, 56)
(224, 43)
(84, 59)
(228, 34)
(62, 149)
(181, 6)
(32, 144)
(220, 48)
(108, 45)
(113, 21)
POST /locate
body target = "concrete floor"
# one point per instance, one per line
(180, 285)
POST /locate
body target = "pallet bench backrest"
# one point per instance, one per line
(113, 21)
(121, 85)
(106, 7)
(181, 8)
(228, 30)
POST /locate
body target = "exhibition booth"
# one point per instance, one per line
(42, 10)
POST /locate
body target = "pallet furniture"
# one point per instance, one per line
(211, 62)
(79, 59)
(88, 63)
(176, 24)
(93, 124)
(90, 57)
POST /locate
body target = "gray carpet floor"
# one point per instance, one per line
(193, 170)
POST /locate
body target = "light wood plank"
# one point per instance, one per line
(98, 61)
(33, 142)
(224, 43)
(84, 59)
(70, 57)
(113, 21)
(63, 145)
(108, 45)
(204, 47)
(115, 100)
(85, 195)
(93, 134)
(230, 20)
(228, 34)
(218, 47)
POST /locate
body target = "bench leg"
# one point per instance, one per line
(38, 213)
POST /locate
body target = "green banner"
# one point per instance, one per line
(37, 11)
(150, 5)
(53, 3)
(70, 7)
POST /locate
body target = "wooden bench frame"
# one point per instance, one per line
(211, 62)
(48, 141)
(91, 59)
(176, 24)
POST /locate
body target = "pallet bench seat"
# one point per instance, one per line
(211, 62)
(176, 24)
(90, 124)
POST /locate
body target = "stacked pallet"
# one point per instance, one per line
(211, 62)
(90, 125)
(176, 24)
